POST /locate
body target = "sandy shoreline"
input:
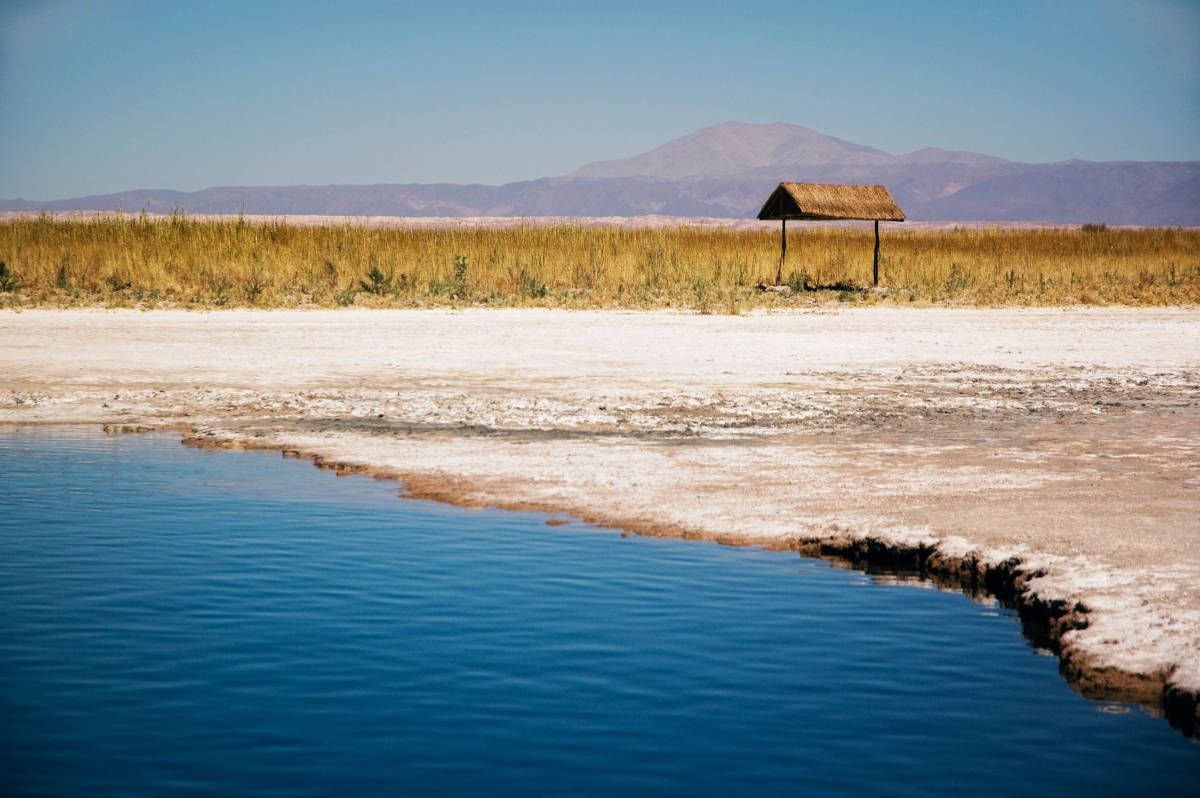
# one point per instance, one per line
(1052, 454)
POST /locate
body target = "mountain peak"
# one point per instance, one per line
(734, 148)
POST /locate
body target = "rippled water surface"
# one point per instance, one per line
(189, 622)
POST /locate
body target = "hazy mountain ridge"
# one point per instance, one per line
(728, 170)
(735, 148)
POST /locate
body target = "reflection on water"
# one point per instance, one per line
(189, 622)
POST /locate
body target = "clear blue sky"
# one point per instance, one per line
(97, 97)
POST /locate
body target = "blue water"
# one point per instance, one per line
(174, 621)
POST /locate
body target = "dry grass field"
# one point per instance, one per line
(183, 262)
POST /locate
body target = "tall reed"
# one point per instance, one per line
(184, 262)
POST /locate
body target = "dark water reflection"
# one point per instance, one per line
(187, 622)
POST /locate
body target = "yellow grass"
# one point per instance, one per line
(184, 262)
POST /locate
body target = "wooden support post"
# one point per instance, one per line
(875, 267)
(782, 252)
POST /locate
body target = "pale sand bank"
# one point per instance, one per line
(1054, 452)
(505, 222)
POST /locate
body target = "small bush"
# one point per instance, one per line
(116, 283)
(378, 282)
(254, 289)
(8, 280)
(531, 287)
(460, 276)
(700, 296)
(957, 279)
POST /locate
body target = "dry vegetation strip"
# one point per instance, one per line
(177, 261)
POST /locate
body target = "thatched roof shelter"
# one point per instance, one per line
(826, 201)
(829, 201)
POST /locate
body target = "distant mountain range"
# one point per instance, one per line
(727, 171)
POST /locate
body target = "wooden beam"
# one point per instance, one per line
(782, 252)
(875, 267)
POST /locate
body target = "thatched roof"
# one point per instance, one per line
(829, 201)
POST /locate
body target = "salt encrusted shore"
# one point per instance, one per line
(1050, 456)
(506, 222)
